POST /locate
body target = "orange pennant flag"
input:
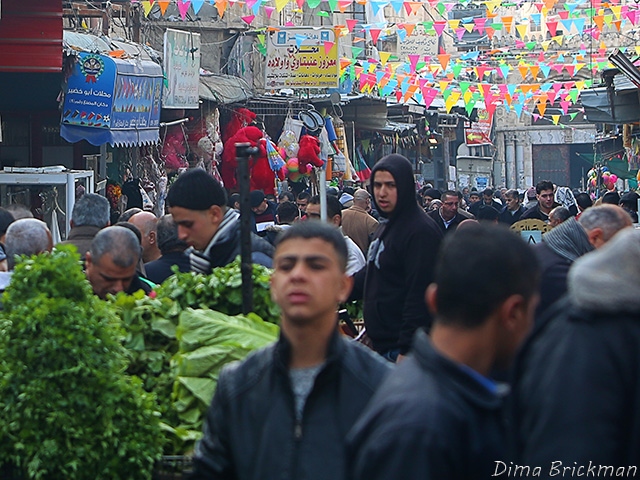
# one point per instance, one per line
(534, 69)
(409, 27)
(163, 6)
(444, 58)
(523, 69)
(508, 23)
(542, 107)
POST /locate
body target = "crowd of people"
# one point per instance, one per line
(490, 357)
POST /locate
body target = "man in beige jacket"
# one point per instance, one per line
(357, 224)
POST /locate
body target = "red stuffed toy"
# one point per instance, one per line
(240, 118)
(308, 153)
(260, 173)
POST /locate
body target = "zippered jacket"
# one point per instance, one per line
(251, 431)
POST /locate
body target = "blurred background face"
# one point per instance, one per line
(450, 206)
(512, 203)
(107, 277)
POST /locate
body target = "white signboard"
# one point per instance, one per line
(418, 43)
(302, 58)
(182, 68)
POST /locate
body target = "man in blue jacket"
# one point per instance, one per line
(401, 260)
(438, 417)
(284, 411)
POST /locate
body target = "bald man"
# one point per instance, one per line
(147, 223)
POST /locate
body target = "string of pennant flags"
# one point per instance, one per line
(475, 78)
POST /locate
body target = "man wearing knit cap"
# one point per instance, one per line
(198, 204)
(400, 262)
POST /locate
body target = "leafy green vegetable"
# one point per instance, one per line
(67, 410)
(208, 341)
(151, 325)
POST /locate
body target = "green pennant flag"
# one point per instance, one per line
(262, 49)
(333, 4)
(446, 93)
(573, 115)
(457, 68)
(469, 107)
(573, 94)
(464, 86)
(262, 39)
(313, 3)
(356, 51)
(352, 73)
(441, 8)
(530, 45)
(420, 66)
(589, 12)
(322, 13)
(496, 26)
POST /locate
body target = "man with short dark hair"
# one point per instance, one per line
(302, 201)
(284, 411)
(513, 209)
(286, 213)
(447, 217)
(629, 203)
(487, 201)
(439, 415)
(400, 261)
(355, 260)
(198, 204)
(112, 260)
(263, 210)
(172, 250)
(90, 214)
(546, 202)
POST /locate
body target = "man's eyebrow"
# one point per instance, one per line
(306, 258)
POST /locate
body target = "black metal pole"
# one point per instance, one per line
(243, 152)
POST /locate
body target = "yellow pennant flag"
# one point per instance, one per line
(469, 27)
(522, 30)
(384, 57)
(146, 7)
(280, 4)
(467, 97)
(443, 85)
(617, 10)
(454, 24)
(451, 101)
(637, 48)
(556, 119)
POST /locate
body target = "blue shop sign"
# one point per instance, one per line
(110, 100)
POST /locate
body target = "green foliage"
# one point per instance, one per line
(67, 410)
(151, 323)
(208, 341)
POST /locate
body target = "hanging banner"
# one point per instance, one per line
(418, 43)
(182, 69)
(479, 133)
(302, 58)
(89, 97)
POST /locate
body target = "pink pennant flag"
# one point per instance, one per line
(439, 27)
(553, 27)
(565, 107)
(351, 22)
(413, 61)
(535, 117)
(269, 11)
(460, 33)
(327, 47)
(183, 7)
(248, 19)
(375, 33)
(300, 3)
(480, 24)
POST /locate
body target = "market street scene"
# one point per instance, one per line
(319, 239)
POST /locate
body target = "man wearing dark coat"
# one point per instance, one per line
(447, 216)
(439, 415)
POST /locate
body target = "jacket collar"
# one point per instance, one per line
(454, 374)
(83, 231)
(282, 353)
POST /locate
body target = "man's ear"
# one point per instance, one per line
(512, 311)
(595, 237)
(430, 298)
(215, 214)
(346, 289)
(336, 220)
(152, 238)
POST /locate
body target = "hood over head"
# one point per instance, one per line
(608, 279)
(402, 172)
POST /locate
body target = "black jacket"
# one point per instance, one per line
(510, 218)
(576, 390)
(435, 215)
(554, 269)
(251, 433)
(429, 420)
(400, 265)
(159, 270)
(475, 207)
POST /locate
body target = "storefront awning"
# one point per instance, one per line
(111, 96)
(224, 89)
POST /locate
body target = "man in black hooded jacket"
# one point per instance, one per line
(401, 260)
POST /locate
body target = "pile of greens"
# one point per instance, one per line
(67, 409)
(151, 323)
